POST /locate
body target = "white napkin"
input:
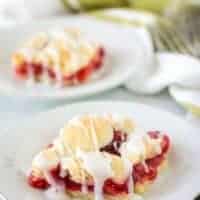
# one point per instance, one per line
(177, 72)
(168, 69)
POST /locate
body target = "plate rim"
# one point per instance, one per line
(26, 122)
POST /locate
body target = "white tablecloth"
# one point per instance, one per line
(13, 112)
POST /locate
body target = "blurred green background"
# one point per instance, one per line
(153, 5)
(156, 6)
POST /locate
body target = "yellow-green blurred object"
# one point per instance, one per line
(126, 16)
(195, 110)
(151, 5)
(159, 6)
(90, 4)
(93, 4)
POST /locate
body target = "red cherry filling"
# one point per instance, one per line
(140, 174)
(116, 143)
(37, 182)
(37, 69)
(34, 68)
(112, 188)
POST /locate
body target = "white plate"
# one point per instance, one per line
(123, 55)
(18, 145)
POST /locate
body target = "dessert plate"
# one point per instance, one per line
(19, 145)
(123, 54)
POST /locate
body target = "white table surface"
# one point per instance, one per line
(13, 112)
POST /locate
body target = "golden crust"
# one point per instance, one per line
(49, 155)
(138, 189)
(90, 196)
(56, 50)
(118, 168)
(95, 131)
(18, 59)
(75, 168)
(38, 41)
(125, 124)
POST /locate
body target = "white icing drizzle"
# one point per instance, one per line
(118, 119)
(41, 162)
(93, 157)
(45, 75)
(30, 80)
(137, 144)
(99, 167)
(129, 170)
(145, 166)
(29, 55)
(55, 54)
(45, 164)
(60, 147)
(94, 135)
(155, 143)
(84, 188)
(115, 145)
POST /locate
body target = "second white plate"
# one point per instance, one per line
(122, 45)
